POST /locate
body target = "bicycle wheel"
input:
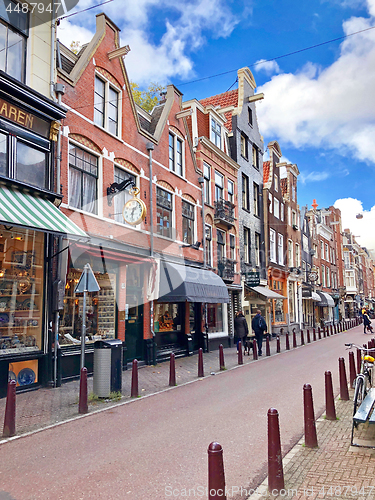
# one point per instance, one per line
(359, 395)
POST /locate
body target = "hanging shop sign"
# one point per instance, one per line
(252, 278)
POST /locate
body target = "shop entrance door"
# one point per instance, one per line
(134, 332)
(195, 320)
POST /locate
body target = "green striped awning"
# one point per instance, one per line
(25, 209)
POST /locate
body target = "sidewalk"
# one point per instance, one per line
(334, 470)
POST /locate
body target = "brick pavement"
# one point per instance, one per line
(333, 470)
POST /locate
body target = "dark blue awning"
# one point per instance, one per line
(179, 283)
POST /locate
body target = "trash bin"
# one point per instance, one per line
(107, 367)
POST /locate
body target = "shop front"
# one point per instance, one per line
(270, 303)
(309, 298)
(324, 310)
(115, 311)
(191, 311)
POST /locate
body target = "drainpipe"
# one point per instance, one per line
(53, 38)
(150, 148)
(201, 182)
(60, 91)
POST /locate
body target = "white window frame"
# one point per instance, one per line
(207, 183)
(107, 86)
(231, 191)
(323, 275)
(282, 210)
(276, 183)
(172, 162)
(276, 208)
(290, 253)
(322, 250)
(328, 277)
(280, 249)
(270, 198)
(272, 245)
(216, 135)
(327, 251)
(297, 256)
(208, 244)
(115, 203)
(247, 241)
(257, 249)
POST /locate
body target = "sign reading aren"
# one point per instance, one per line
(24, 119)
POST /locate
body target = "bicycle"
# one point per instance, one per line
(363, 381)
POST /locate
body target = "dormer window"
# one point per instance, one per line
(216, 133)
(176, 154)
(106, 106)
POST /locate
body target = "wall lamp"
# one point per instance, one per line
(195, 245)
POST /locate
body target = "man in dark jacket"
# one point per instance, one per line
(259, 326)
(240, 328)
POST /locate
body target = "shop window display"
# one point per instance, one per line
(167, 318)
(215, 318)
(21, 290)
(100, 309)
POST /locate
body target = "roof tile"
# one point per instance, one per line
(266, 171)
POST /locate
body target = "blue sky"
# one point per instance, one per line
(319, 104)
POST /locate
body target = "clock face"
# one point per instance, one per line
(313, 276)
(133, 211)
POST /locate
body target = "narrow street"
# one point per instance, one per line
(158, 444)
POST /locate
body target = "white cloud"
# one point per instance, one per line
(314, 176)
(268, 67)
(364, 228)
(159, 55)
(331, 107)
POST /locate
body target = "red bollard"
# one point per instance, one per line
(275, 463)
(268, 351)
(331, 329)
(308, 336)
(216, 476)
(302, 338)
(294, 339)
(319, 334)
(83, 404)
(221, 357)
(359, 360)
(240, 356)
(134, 388)
(344, 393)
(200, 363)
(352, 371)
(330, 400)
(255, 349)
(314, 335)
(311, 440)
(172, 371)
(287, 345)
(10, 411)
(278, 344)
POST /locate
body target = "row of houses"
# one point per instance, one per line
(181, 221)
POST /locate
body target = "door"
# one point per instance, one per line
(134, 328)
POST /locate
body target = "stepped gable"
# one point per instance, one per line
(224, 100)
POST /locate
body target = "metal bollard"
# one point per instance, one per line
(275, 463)
(216, 476)
(302, 338)
(287, 345)
(277, 344)
(221, 357)
(294, 338)
(240, 355)
(10, 411)
(255, 349)
(344, 393)
(268, 351)
(330, 400)
(134, 387)
(308, 336)
(359, 360)
(352, 371)
(83, 404)
(311, 440)
(200, 363)
(319, 334)
(314, 335)
(172, 371)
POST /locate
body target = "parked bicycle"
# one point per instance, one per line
(364, 379)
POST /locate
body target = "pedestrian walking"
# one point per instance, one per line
(366, 322)
(240, 328)
(259, 326)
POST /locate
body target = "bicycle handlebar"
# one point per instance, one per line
(349, 346)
